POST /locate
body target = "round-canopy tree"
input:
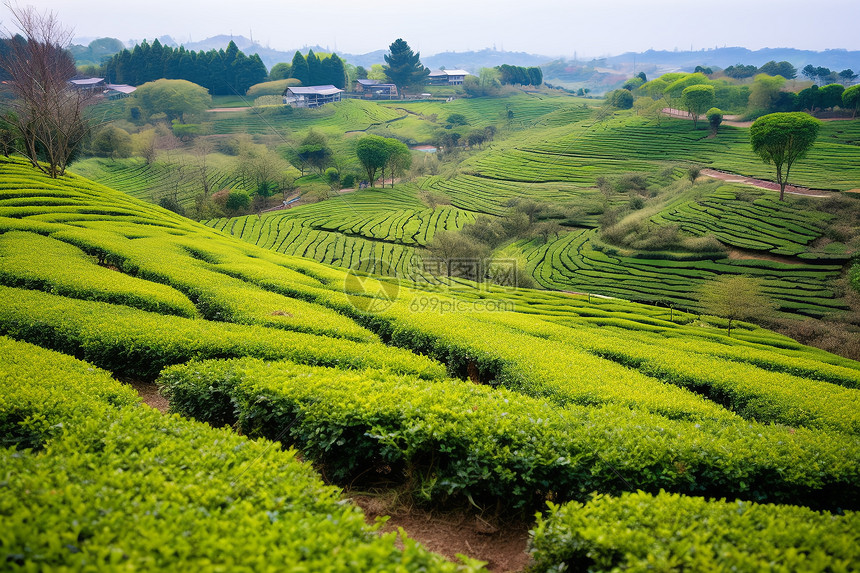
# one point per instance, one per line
(782, 139)
(851, 99)
(372, 152)
(697, 100)
(176, 98)
(715, 118)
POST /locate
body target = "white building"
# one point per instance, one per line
(311, 96)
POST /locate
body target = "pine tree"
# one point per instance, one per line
(315, 71)
(299, 69)
(404, 67)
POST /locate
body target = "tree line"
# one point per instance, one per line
(223, 72)
(318, 71)
(518, 75)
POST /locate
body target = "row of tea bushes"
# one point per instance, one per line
(93, 480)
(28, 260)
(668, 532)
(133, 342)
(471, 441)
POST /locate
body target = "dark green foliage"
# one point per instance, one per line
(784, 69)
(372, 152)
(456, 119)
(715, 118)
(740, 71)
(10, 137)
(669, 532)
(299, 69)
(620, 99)
(314, 152)
(518, 75)
(851, 99)
(172, 204)
(831, 95)
(703, 70)
(237, 200)
(808, 99)
(403, 67)
(223, 72)
(313, 71)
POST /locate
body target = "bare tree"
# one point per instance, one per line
(49, 111)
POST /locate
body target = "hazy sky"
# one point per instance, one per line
(549, 27)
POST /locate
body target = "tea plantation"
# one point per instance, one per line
(514, 400)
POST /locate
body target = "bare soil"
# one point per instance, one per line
(149, 393)
(768, 185)
(223, 109)
(503, 546)
(732, 120)
(741, 254)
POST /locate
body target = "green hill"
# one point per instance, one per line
(455, 393)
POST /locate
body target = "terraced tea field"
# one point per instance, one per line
(382, 230)
(166, 178)
(452, 394)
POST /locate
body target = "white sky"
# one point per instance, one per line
(550, 27)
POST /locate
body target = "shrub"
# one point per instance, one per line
(94, 479)
(638, 531)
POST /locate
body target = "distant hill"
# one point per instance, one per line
(486, 58)
(653, 62)
(724, 57)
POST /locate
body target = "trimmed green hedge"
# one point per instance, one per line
(133, 342)
(670, 532)
(115, 485)
(471, 441)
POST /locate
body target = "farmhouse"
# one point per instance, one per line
(447, 77)
(311, 96)
(376, 89)
(118, 91)
(88, 84)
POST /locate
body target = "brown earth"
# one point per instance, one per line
(223, 109)
(149, 393)
(503, 546)
(763, 184)
(741, 254)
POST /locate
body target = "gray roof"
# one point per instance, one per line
(445, 73)
(87, 81)
(123, 88)
(369, 82)
(319, 90)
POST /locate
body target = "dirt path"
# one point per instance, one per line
(745, 255)
(149, 393)
(727, 119)
(768, 185)
(732, 120)
(503, 546)
(223, 109)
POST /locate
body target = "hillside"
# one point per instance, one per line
(627, 222)
(450, 394)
